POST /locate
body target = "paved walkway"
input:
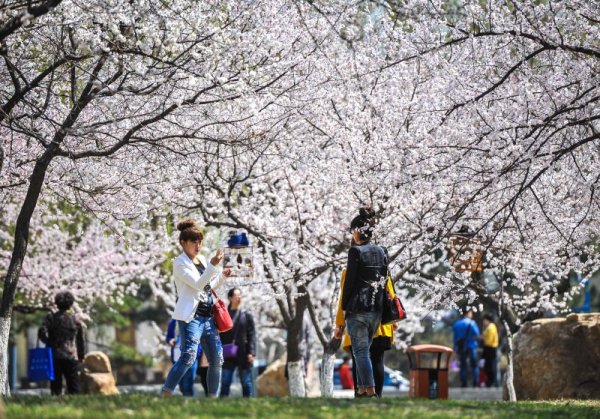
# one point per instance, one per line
(455, 393)
(458, 393)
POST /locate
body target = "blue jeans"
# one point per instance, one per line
(186, 385)
(203, 330)
(361, 328)
(245, 379)
(471, 355)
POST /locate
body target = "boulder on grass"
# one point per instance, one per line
(558, 358)
(97, 377)
(272, 382)
(97, 362)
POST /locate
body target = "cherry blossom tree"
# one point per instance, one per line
(509, 145)
(283, 118)
(81, 256)
(497, 132)
(441, 115)
(14, 14)
(103, 113)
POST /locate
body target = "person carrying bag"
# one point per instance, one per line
(382, 340)
(63, 335)
(195, 282)
(363, 295)
(239, 346)
(466, 334)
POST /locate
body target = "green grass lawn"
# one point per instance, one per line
(148, 406)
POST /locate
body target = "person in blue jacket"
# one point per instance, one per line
(186, 385)
(466, 334)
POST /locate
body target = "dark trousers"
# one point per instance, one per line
(203, 373)
(69, 369)
(470, 355)
(376, 354)
(245, 380)
(489, 356)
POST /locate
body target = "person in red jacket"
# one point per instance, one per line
(346, 374)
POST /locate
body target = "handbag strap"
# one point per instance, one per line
(389, 278)
(215, 294)
(388, 275)
(50, 319)
(237, 316)
(237, 330)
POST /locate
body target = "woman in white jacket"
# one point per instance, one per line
(193, 310)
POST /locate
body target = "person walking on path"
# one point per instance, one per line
(239, 346)
(62, 332)
(490, 349)
(382, 339)
(362, 297)
(194, 284)
(466, 334)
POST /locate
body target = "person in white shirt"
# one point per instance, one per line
(195, 282)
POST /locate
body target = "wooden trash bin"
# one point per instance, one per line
(428, 371)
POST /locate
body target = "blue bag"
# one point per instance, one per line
(41, 367)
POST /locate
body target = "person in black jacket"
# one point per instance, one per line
(64, 334)
(362, 296)
(239, 346)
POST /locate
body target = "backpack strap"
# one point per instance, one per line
(468, 330)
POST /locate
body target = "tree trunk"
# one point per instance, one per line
(16, 262)
(296, 383)
(512, 395)
(4, 332)
(502, 309)
(36, 181)
(326, 375)
(327, 367)
(295, 356)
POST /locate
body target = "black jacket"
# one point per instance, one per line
(64, 334)
(366, 275)
(243, 335)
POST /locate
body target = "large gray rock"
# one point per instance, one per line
(558, 358)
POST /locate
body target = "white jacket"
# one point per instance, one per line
(190, 285)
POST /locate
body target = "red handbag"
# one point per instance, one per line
(393, 310)
(221, 315)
